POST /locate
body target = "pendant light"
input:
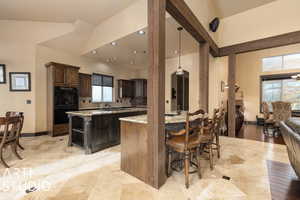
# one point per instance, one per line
(179, 69)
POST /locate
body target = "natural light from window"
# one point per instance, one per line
(284, 62)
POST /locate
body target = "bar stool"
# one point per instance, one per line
(186, 142)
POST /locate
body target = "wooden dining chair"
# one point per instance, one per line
(11, 132)
(187, 141)
(21, 115)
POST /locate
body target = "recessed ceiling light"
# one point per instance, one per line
(175, 52)
(94, 52)
(141, 32)
(114, 43)
(135, 52)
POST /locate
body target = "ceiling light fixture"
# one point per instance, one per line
(114, 43)
(141, 32)
(135, 52)
(179, 69)
(94, 52)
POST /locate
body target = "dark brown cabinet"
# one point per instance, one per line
(125, 88)
(61, 78)
(85, 85)
(65, 75)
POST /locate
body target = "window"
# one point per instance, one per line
(281, 88)
(102, 88)
(291, 61)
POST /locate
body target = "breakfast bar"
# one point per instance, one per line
(134, 143)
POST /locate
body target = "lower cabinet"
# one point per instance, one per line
(106, 130)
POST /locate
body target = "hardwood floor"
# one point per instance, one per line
(284, 184)
(254, 132)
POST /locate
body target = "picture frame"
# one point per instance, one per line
(2, 74)
(20, 81)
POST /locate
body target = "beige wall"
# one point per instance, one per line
(249, 70)
(278, 17)
(17, 51)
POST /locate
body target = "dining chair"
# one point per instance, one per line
(21, 115)
(187, 142)
(11, 132)
(281, 112)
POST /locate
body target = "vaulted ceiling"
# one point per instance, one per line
(228, 8)
(91, 11)
(95, 11)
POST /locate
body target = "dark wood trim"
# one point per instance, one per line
(186, 18)
(266, 43)
(60, 64)
(156, 92)
(231, 95)
(250, 122)
(4, 73)
(204, 76)
(34, 134)
(10, 82)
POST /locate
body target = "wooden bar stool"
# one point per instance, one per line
(11, 132)
(187, 142)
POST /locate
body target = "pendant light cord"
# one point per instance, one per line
(179, 60)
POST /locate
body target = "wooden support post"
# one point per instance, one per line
(231, 95)
(156, 92)
(204, 76)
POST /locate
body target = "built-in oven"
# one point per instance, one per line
(65, 100)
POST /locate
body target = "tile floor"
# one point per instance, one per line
(58, 172)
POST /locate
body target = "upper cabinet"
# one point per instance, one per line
(85, 85)
(125, 89)
(140, 87)
(64, 75)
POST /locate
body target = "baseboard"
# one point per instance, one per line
(34, 134)
(250, 122)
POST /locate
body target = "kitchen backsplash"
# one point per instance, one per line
(87, 103)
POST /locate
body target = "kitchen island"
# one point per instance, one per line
(135, 158)
(95, 130)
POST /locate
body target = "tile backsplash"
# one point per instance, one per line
(86, 102)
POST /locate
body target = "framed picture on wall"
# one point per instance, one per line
(2, 74)
(19, 81)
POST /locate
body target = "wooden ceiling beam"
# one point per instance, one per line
(266, 43)
(181, 12)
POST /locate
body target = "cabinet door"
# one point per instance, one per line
(59, 76)
(144, 88)
(72, 77)
(85, 85)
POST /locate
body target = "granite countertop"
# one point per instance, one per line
(142, 119)
(89, 113)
